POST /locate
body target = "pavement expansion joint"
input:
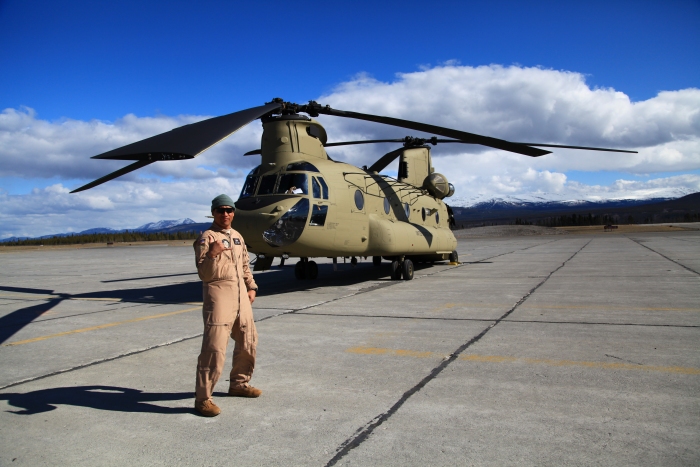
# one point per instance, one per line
(364, 432)
(664, 256)
(103, 360)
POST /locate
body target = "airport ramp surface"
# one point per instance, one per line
(536, 350)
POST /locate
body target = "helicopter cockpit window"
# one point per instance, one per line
(249, 186)
(267, 185)
(324, 187)
(359, 200)
(316, 188)
(305, 166)
(293, 184)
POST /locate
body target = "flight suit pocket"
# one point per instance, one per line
(220, 302)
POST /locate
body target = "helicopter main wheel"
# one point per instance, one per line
(395, 270)
(454, 257)
(407, 269)
(353, 261)
(311, 270)
(300, 270)
(377, 260)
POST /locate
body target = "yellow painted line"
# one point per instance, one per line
(529, 361)
(602, 365)
(101, 326)
(535, 306)
(101, 299)
(396, 352)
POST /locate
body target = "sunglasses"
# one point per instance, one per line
(224, 210)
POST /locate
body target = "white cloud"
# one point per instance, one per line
(513, 103)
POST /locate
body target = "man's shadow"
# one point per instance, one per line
(96, 397)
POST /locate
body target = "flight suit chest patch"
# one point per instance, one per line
(226, 243)
(236, 241)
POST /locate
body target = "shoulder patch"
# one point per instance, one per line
(237, 241)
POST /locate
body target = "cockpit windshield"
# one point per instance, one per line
(251, 182)
(293, 184)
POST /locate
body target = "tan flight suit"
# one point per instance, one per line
(226, 280)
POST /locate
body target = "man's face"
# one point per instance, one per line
(223, 215)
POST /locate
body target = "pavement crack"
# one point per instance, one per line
(666, 257)
(363, 433)
(623, 360)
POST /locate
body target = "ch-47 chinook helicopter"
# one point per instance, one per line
(300, 203)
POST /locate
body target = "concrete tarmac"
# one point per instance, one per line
(551, 350)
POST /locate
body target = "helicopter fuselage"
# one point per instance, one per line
(300, 203)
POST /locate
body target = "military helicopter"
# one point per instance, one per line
(301, 203)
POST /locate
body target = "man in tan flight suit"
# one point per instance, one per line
(228, 291)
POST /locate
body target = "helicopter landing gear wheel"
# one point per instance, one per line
(353, 261)
(311, 270)
(407, 269)
(300, 270)
(377, 260)
(454, 257)
(395, 270)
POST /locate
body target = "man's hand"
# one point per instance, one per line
(251, 296)
(215, 247)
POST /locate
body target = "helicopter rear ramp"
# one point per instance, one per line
(563, 349)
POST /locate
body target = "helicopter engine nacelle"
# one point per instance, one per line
(437, 185)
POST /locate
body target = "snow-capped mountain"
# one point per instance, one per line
(557, 199)
(177, 225)
(160, 225)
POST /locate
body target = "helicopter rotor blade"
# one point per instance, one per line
(369, 141)
(188, 141)
(580, 147)
(385, 160)
(113, 175)
(315, 108)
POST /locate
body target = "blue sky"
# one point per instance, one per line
(86, 62)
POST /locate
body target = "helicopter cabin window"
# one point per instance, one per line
(407, 208)
(267, 185)
(318, 215)
(316, 188)
(387, 205)
(324, 187)
(312, 130)
(293, 184)
(437, 218)
(359, 200)
(424, 213)
(305, 166)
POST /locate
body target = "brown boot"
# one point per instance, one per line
(207, 408)
(244, 391)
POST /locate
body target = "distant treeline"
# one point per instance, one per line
(605, 219)
(569, 220)
(121, 237)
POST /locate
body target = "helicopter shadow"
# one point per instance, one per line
(277, 280)
(112, 398)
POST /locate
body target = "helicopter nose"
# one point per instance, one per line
(288, 228)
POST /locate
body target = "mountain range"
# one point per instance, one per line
(477, 209)
(166, 226)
